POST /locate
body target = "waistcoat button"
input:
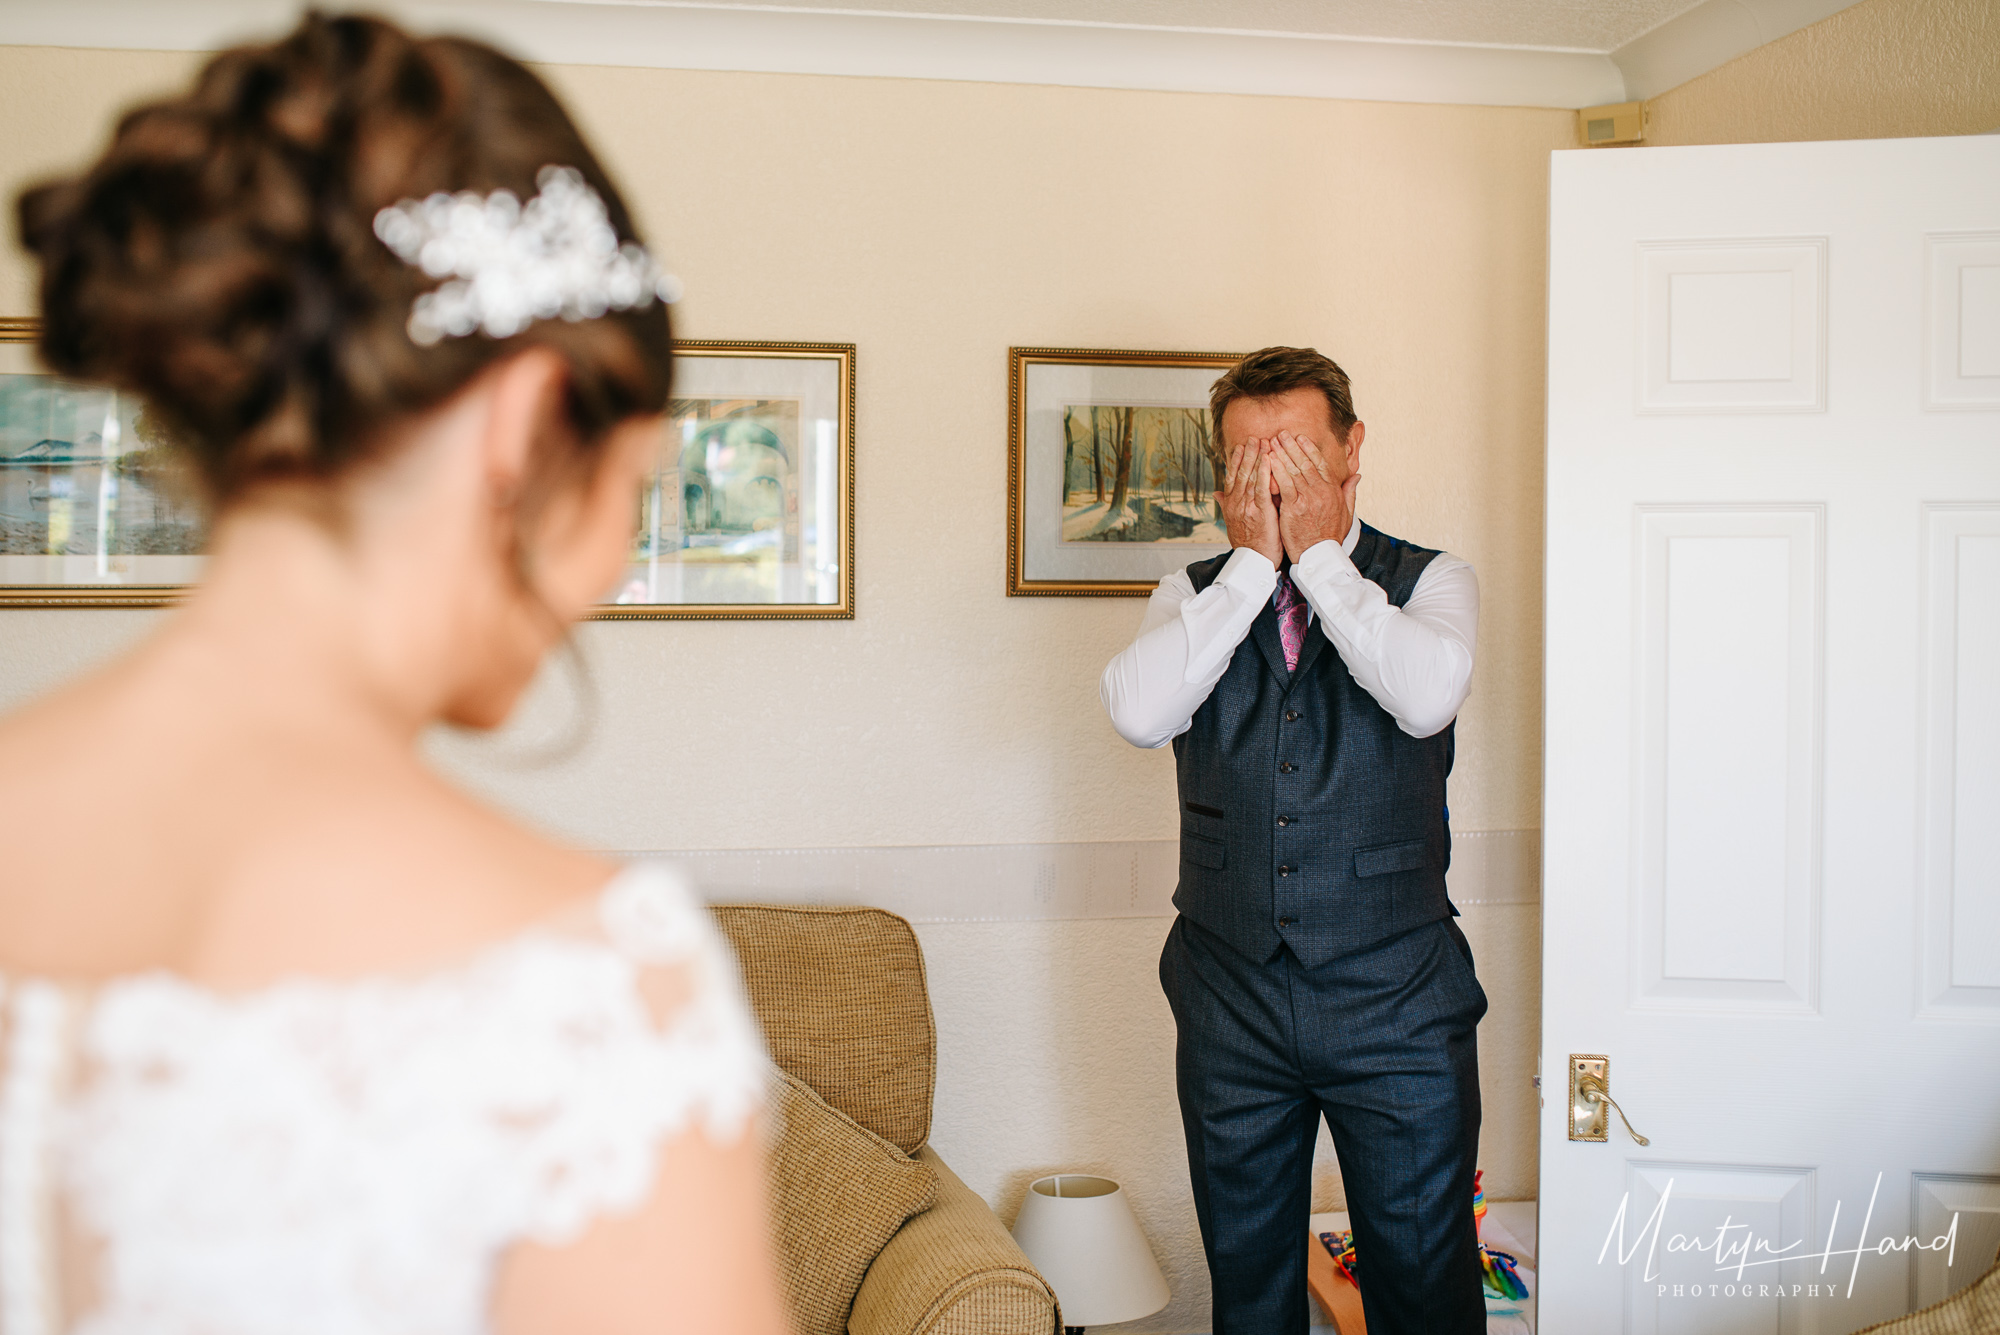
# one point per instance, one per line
(1286, 767)
(1286, 922)
(1284, 871)
(1291, 716)
(1284, 821)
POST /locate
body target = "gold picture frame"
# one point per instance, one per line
(785, 528)
(1121, 545)
(41, 477)
(792, 404)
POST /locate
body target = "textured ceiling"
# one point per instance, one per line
(1585, 25)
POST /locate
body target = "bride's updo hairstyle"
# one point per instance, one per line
(220, 259)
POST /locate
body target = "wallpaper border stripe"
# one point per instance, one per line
(1039, 882)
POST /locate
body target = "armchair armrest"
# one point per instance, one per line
(953, 1270)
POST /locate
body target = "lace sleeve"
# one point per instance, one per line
(326, 1156)
(668, 1046)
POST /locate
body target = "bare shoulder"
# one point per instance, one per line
(141, 836)
(50, 733)
(70, 801)
(389, 869)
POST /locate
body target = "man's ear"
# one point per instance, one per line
(526, 396)
(1354, 435)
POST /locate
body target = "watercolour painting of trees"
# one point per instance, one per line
(1140, 473)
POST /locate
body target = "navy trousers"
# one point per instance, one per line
(1382, 1043)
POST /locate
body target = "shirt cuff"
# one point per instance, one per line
(1216, 627)
(1325, 558)
(1249, 570)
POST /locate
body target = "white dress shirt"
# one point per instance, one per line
(1415, 660)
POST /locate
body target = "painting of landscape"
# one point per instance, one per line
(84, 472)
(1140, 473)
(720, 513)
(734, 469)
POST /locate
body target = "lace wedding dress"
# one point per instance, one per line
(354, 1157)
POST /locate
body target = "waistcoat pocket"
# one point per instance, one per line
(1202, 851)
(1384, 858)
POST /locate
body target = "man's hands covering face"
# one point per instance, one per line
(1313, 507)
(1246, 502)
(1310, 507)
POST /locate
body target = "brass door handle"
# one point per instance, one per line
(1589, 1095)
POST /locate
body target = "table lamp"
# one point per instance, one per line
(1079, 1232)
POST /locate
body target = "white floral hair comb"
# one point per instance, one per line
(508, 264)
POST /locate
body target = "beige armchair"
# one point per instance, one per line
(1973, 1310)
(844, 1004)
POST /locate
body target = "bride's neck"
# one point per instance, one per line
(321, 626)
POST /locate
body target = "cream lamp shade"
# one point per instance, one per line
(1080, 1233)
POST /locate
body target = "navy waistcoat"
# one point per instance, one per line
(1308, 817)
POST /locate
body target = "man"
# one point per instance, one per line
(1314, 969)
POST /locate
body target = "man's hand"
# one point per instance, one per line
(1313, 507)
(1246, 502)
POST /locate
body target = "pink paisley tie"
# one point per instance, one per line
(1291, 620)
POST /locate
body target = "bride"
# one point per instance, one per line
(293, 1036)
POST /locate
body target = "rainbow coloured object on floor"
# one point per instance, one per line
(1498, 1271)
(1341, 1247)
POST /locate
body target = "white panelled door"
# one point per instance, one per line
(1772, 807)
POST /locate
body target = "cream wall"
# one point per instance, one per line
(1881, 69)
(935, 224)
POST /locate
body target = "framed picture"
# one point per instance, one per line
(1113, 469)
(748, 511)
(94, 509)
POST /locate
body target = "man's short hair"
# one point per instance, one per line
(1272, 371)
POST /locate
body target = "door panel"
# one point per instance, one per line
(1963, 331)
(1740, 1204)
(1961, 801)
(1729, 612)
(1733, 327)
